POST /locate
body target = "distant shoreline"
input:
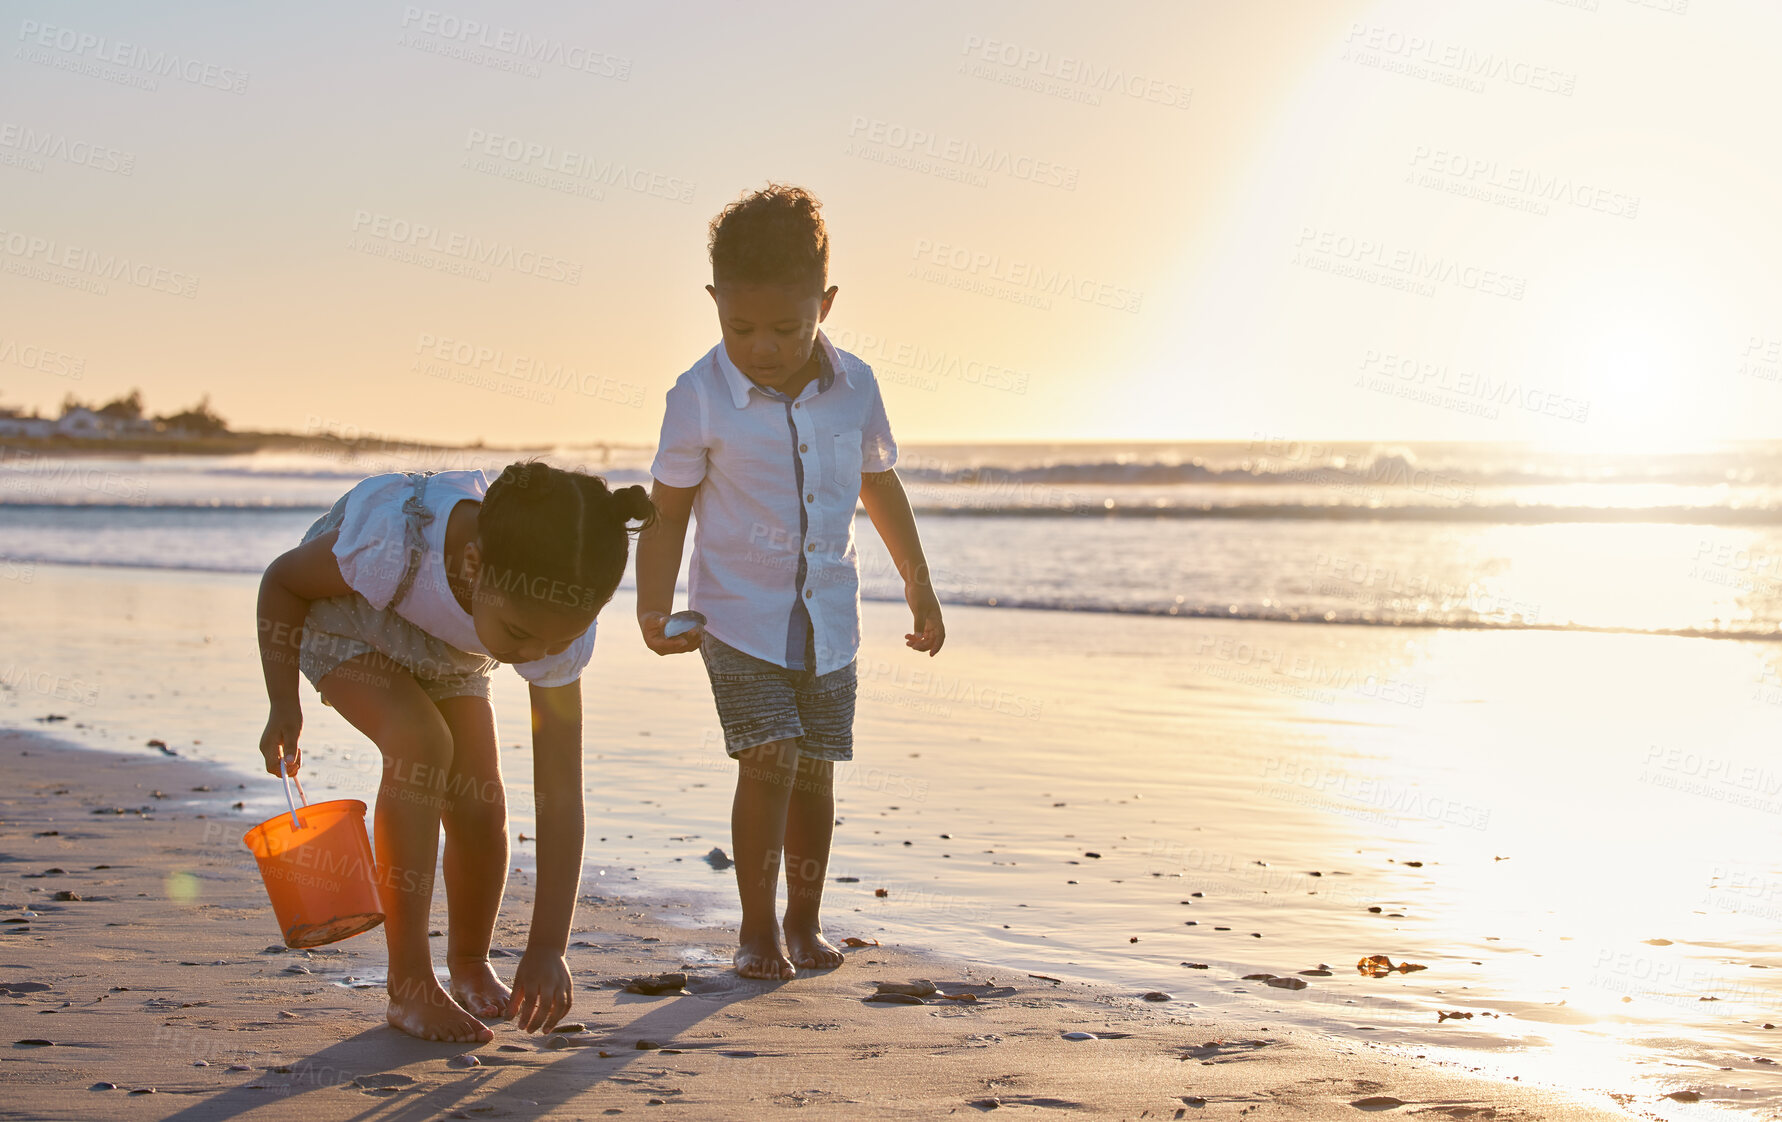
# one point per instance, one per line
(240, 443)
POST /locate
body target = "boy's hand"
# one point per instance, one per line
(925, 607)
(542, 992)
(282, 728)
(652, 623)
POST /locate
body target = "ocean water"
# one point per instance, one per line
(1476, 536)
(1509, 715)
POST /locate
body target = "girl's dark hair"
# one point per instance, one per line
(771, 236)
(558, 536)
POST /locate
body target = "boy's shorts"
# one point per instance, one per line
(759, 703)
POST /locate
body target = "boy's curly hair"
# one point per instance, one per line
(771, 236)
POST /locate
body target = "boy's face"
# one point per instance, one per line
(769, 329)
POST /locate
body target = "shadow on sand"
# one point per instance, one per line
(372, 1064)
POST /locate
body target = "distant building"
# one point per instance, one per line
(122, 418)
(86, 423)
(14, 423)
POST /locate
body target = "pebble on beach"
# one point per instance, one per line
(656, 984)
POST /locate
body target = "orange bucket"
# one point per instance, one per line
(318, 870)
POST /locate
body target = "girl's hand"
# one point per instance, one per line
(281, 732)
(925, 608)
(542, 993)
(652, 624)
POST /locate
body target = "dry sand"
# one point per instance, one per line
(161, 974)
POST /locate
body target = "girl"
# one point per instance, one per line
(396, 606)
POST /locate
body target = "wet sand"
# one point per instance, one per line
(1061, 794)
(165, 974)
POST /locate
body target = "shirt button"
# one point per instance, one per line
(807, 594)
(810, 498)
(810, 549)
(804, 448)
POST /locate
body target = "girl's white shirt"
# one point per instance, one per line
(373, 554)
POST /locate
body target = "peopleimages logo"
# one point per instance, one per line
(421, 237)
(503, 47)
(1440, 377)
(1454, 169)
(966, 154)
(933, 362)
(35, 250)
(1327, 250)
(42, 359)
(1088, 77)
(1026, 278)
(35, 146)
(537, 156)
(461, 360)
(1421, 52)
(82, 47)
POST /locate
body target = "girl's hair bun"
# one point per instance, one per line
(633, 505)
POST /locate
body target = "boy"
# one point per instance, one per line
(770, 440)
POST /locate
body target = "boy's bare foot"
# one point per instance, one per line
(758, 956)
(423, 1009)
(478, 990)
(809, 949)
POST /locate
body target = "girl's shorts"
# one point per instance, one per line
(344, 627)
(759, 703)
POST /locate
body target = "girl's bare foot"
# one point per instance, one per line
(420, 1008)
(478, 990)
(758, 956)
(809, 949)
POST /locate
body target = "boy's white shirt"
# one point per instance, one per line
(372, 552)
(744, 450)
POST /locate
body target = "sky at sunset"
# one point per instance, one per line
(1484, 220)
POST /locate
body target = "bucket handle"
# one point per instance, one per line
(288, 780)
